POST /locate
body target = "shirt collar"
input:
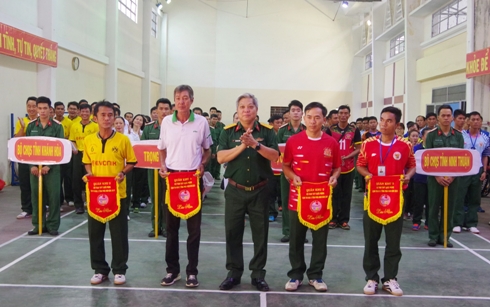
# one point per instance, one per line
(38, 121)
(290, 126)
(174, 117)
(239, 126)
(439, 131)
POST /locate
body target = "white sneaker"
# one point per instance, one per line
(474, 230)
(98, 278)
(149, 200)
(23, 215)
(61, 209)
(129, 218)
(318, 284)
(142, 205)
(392, 287)
(119, 279)
(371, 287)
(293, 285)
(457, 229)
(71, 204)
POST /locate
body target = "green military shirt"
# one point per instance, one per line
(437, 139)
(151, 131)
(287, 131)
(249, 167)
(215, 133)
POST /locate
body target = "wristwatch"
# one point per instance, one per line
(258, 146)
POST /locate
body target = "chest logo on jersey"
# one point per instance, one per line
(92, 149)
(114, 149)
(397, 155)
(327, 152)
(348, 136)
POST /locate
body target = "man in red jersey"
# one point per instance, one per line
(384, 155)
(349, 143)
(310, 156)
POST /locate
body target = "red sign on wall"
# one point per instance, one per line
(25, 46)
(447, 162)
(147, 154)
(477, 63)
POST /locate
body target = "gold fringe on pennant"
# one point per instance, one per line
(393, 218)
(329, 207)
(366, 196)
(96, 217)
(178, 214)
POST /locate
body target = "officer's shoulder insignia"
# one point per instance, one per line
(54, 120)
(285, 125)
(31, 121)
(230, 126)
(150, 123)
(266, 125)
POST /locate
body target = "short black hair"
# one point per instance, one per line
(366, 118)
(420, 116)
(43, 99)
(128, 113)
(104, 103)
(332, 112)
(359, 119)
(82, 100)
(274, 118)
(153, 109)
(218, 111)
(85, 106)
(373, 118)
(410, 124)
(315, 104)
(459, 112)
(395, 111)
(213, 108)
(344, 107)
(475, 113)
(425, 131)
(197, 109)
(74, 103)
(295, 103)
(401, 125)
(31, 98)
(213, 115)
(287, 111)
(148, 119)
(58, 103)
(444, 107)
(115, 104)
(430, 114)
(205, 114)
(93, 104)
(164, 101)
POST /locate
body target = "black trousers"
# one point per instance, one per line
(342, 197)
(119, 240)
(77, 183)
(193, 241)
(140, 183)
(24, 173)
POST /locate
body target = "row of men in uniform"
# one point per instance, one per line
(248, 147)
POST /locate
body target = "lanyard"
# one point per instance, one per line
(381, 151)
(473, 144)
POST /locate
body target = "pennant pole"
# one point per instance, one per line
(445, 215)
(155, 201)
(40, 201)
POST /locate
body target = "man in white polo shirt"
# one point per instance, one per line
(185, 142)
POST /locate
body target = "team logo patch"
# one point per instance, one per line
(184, 195)
(103, 200)
(114, 149)
(315, 206)
(384, 200)
(327, 152)
(92, 149)
(397, 155)
(347, 136)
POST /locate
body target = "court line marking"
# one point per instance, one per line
(118, 288)
(484, 239)
(471, 251)
(271, 244)
(222, 214)
(41, 247)
(263, 299)
(25, 233)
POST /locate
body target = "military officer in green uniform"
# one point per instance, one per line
(213, 166)
(45, 126)
(443, 136)
(248, 147)
(152, 132)
(294, 126)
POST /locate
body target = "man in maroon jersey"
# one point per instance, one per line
(310, 156)
(384, 155)
(349, 143)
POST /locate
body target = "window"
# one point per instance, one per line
(278, 110)
(368, 61)
(397, 45)
(398, 10)
(154, 23)
(129, 8)
(449, 94)
(449, 17)
(388, 22)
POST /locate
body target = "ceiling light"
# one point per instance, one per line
(159, 5)
(345, 4)
(368, 22)
(168, 1)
